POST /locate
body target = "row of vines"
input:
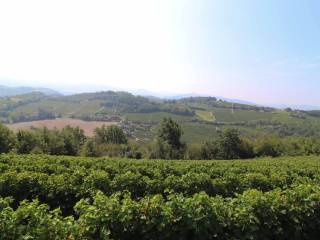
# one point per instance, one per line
(50, 197)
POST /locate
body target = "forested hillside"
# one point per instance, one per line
(201, 117)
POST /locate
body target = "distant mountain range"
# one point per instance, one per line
(171, 96)
(6, 91)
(295, 106)
(12, 91)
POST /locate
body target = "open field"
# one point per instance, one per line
(227, 115)
(87, 126)
(155, 117)
(206, 115)
(156, 199)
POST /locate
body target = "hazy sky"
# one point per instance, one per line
(266, 51)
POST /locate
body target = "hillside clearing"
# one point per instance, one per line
(59, 123)
(206, 115)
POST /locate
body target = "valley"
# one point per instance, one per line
(201, 117)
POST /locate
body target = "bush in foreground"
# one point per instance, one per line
(288, 214)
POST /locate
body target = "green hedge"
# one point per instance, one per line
(288, 214)
(146, 199)
(63, 181)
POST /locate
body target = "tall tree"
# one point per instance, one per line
(26, 141)
(229, 145)
(170, 132)
(7, 139)
(169, 144)
(74, 139)
(110, 135)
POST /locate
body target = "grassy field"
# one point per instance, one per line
(155, 117)
(238, 115)
(206, 115)
(199, 133)
(65, 108)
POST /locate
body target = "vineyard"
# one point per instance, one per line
(56, 197)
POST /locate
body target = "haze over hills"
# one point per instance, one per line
(12, 91)
(296, 106)
(18, 90)
(175, 96)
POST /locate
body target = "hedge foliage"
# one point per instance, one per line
(278, 214)
(55, 197)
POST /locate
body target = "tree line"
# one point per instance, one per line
(112, 141)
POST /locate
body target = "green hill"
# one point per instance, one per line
(12, 91)
(200, 117)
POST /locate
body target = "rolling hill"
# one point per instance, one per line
(200, 117)
(12, 91)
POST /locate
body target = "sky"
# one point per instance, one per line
(264, 51)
